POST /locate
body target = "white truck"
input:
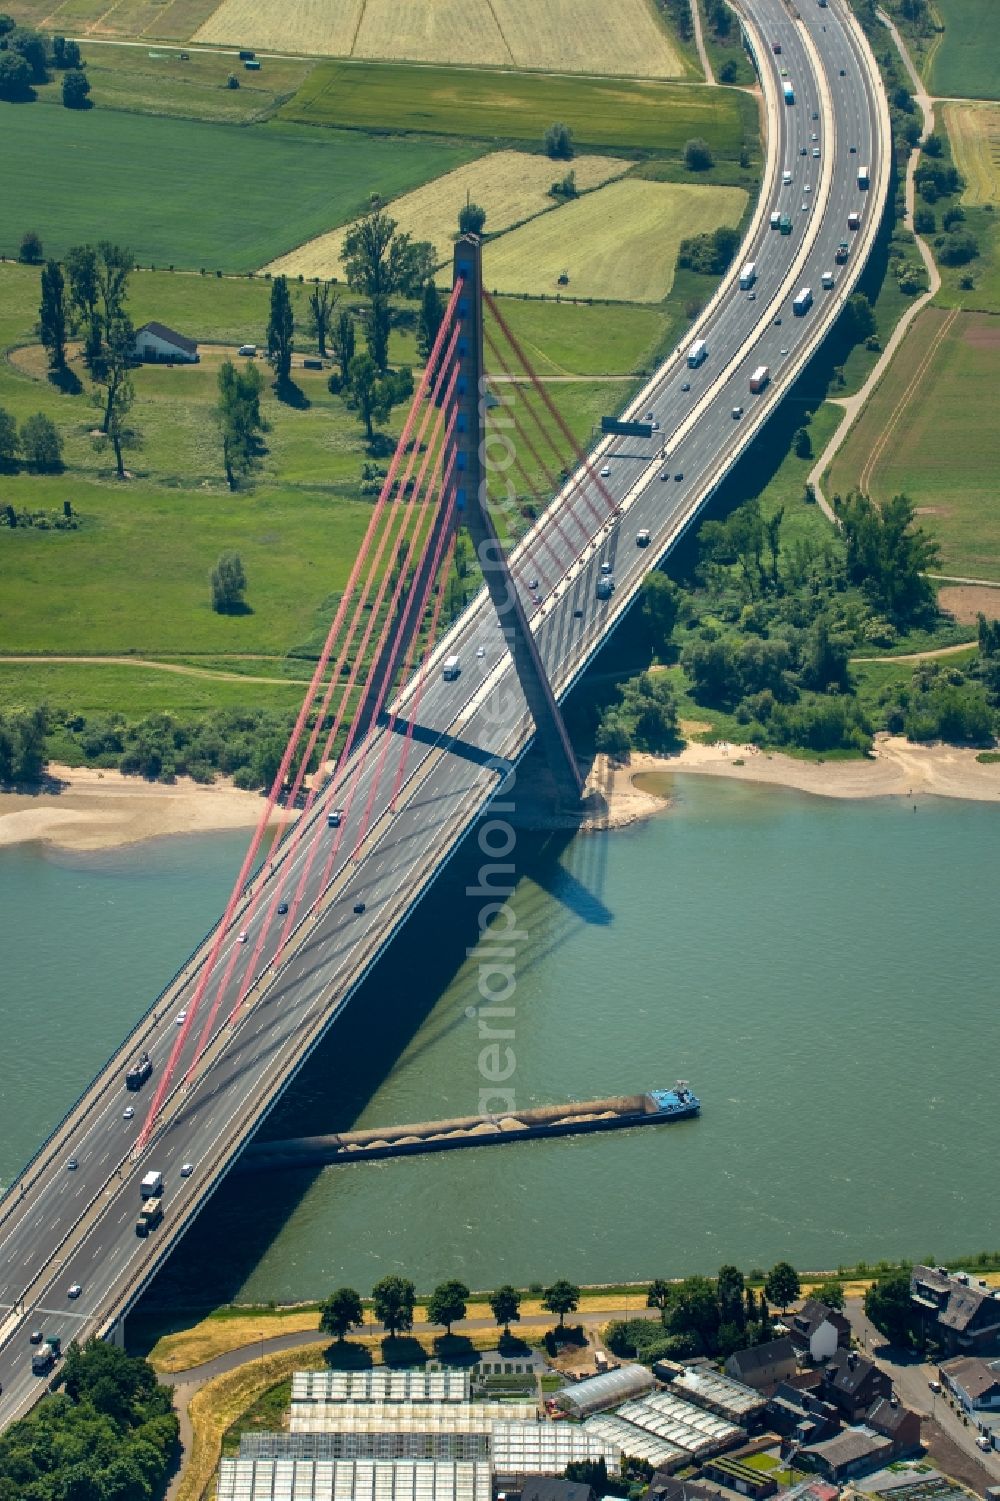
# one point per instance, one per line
(697, 354)
(802, 302)
(451, 669)
(748, 276)
(759, 379)
(827, 281)
(151, 1186)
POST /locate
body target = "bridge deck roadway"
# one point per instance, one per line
(60, 1227)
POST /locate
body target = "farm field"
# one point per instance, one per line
(620, 241)
(575, 36)
(974, 132)
(309, 26)
(651, 118)
(161, 82)
(511, 186)
(225, 197)
(137, 691)
(966, 61)
(929, 432)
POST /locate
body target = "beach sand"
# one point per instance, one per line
(79, 808)
(84, 809)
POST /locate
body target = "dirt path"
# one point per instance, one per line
(921, 656)
(699, 41)
(178, 667)
(853, 405)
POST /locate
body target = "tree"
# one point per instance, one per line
(280, 331)
(471, 218)
(429, 319)
(52, 315)
(15, 78)
(373, 396)
(562, 1298)
(887, 555)
(10, 443)
(112, 368)
(229, 583)
(65, 54)
(658, 1294)
(240, 421)
(698, 155)
(957, 248)
(112, 266)
(558, 142)
(343, 343)
(729, 1290)
(84, 292)
(32, 46)
(341, 1312)
(695, 1310)
(782, 1284)
(890, 1308)
(75, 88)
(322, 301)
(832, 1294)
(660, 604)
(505, 1305)
(447, 1303)
(41, 444)
(30, 250)
(801, 442)
(381, 264)
(861, 316)
(394, 1298)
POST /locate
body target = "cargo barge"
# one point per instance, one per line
(655, 1107)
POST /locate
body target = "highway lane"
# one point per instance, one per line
(320, 975)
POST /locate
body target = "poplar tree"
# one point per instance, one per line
(52, 315)
(280, 331)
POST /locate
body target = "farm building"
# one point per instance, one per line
(157, 344)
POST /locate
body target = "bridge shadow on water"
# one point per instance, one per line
(228, 1239)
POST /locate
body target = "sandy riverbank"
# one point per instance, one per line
(898, 768)
(82, 809)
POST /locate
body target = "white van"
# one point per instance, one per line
(451, 669)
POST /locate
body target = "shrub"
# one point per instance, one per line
(30, 250)
(75, 88)
(41, 444)
(558, 141)
(698, 155)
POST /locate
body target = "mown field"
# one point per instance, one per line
(511, 186)
(188, 193)
(652, 118)
(576, 36)
(620, 241)
(974, 132)
(134, 578)
(160, 81)
(929, 432)
(966, 61)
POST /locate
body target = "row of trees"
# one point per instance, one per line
(25, 58)
(109, 1433)
(36, 444)
(710, 1316)
(394, 1299)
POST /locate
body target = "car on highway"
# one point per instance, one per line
(35, 1337)
(664, 473)
(935, 1386)
(242, 936)
(982, 1442)
(776, 48)
(532, 583)
(685, 385)
(843, 72)
(480, 651)
(577, 614)
(782, 351)
(181, 1017)
(815, 114)
(606, 472)
(853, 150)
(642, 537)
(72, 1165)
(128, 1113)
(536, 598)
(605, 567)
(814, 137)
(187, 1169)
(282, 908)
(737, 413)
(777, 322)
(679, 475)
(74, 1290)
(333, 819)
(815, 151)
(807, 188)
(359, 907)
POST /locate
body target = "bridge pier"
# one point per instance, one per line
(473, 504)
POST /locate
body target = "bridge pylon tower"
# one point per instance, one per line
(473, 401)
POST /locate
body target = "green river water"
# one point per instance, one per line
(824, 972)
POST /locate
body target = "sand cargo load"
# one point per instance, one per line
(614, 1113)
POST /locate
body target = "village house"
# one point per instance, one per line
(762, 1366)
(157, 344)
(816, 1331)
(852, 1384)
(973, 1381)
(965, 1320)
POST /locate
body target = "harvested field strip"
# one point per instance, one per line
(974, 131)
(285, 25)
(928, 432)
(448, 31)
(510, 185)
(654, 118)
(619, 242)
(588, 36)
